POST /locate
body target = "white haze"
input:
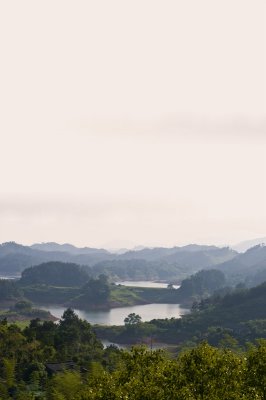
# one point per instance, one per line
(126, 123)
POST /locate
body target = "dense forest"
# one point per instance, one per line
(66, 361)
(54, 273)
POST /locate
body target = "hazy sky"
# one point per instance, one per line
(132, 122)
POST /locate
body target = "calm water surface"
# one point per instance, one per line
(116, 316)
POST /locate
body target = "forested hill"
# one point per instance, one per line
(56, 274)
(169, 264)
(156, 263)
(248, 267)
(14, 258)
(241, 314)
(212, 254)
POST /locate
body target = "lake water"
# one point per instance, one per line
(116, 316)
(149, 284)
(7, 277)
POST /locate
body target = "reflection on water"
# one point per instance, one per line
(116, 316)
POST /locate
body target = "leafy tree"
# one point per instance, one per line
(65, 386)
(9, 371)
(96, 291)
(75, 337)
(256, 370)
(211, 374)
(132, 319)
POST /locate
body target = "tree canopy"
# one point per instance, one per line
(55, 273)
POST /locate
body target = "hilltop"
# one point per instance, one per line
(157, 263)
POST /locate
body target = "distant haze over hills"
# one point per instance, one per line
(240, 247)
(247, 267)
(14, 257)
(247, 244)
(66, 247)
(142, 263)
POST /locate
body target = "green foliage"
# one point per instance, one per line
(23, 306)
(209, 373)
(23, 355)
(256, 370)
(56, 295)
(125, 296)
(9, 371)
(75, 336)
(9, 290)
(54, 273)
(201, 373)
(204, 373)
(95, 291)
(132, 319)
(65, 386)
(22, 313)
(240, 313)
(203, 283)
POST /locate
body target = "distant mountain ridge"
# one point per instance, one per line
(14, 258)
(141, 264)
(66, 248)
(246, 265)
